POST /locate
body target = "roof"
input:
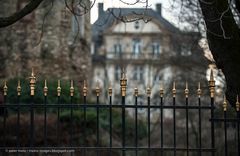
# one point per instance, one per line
(106, 19)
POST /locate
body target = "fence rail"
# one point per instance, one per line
(103, 144)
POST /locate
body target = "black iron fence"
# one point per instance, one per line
(107, 129)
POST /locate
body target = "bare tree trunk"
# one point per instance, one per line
(223, 37)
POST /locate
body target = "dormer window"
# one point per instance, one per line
(136, 25)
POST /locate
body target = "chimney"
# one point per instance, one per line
(100, 9)
(159, 8)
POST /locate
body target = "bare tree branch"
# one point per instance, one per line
(30, 7)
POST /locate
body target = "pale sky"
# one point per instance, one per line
(166, 11)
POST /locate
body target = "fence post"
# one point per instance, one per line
(212, 94)
(32, 93)
(123, 84)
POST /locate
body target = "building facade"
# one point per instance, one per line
(152, 53)
(51, 39)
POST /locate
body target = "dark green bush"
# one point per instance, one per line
(91, 122)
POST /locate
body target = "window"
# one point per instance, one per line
(136, 46)
(117, 48)
(156, 50)
(138, 73)
(117, 73)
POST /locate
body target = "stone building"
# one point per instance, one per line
(49, 39)
(151, 52)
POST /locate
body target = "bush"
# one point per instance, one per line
(91, 122)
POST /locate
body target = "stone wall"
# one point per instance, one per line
(46, 40)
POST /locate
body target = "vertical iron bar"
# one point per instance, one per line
(174, 126)
(212, 127)
(71, 113)
(45, 122)
(123, 126)
(18, 122)
(58, 122)
(238, 135)
(211, 84)
(149, 126)
(200, 127)
(32, 122)
(97, 124)
(4, 121)
(187, 129)
(58, 112)
(84, 125)
(161, 126)
(225, 134)
(136, 126)
(110, 124)
(32, 93)
(123, 84)
(71, 122)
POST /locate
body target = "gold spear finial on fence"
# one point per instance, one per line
(110, 89)
(161, 90)
(97, 89)
(136, 91)
(45, 89)
(5, 88)
(32, 83)
(85, 90)
(148, 91)
(123, 83)
(71, 88)
(174, 91)
(211, 83)
(59, 88)
(199, 91)
(224, 104)
(19, 88)
(186, 91)
(237, 104)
